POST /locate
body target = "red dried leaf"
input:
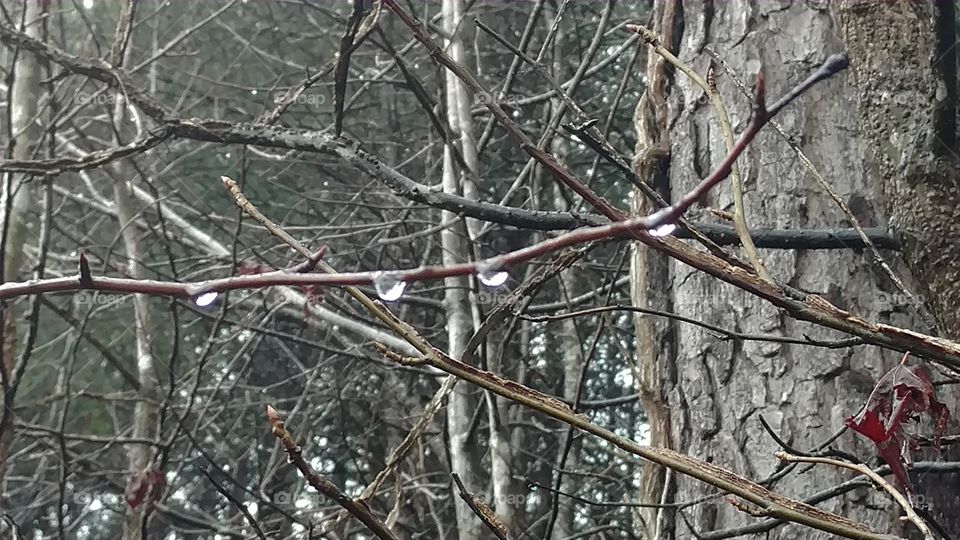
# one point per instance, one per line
(150, 481)
(901, 395)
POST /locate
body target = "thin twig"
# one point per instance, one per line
(727, 334)
(376, 309)
(322, 484)
(739, 216)
(878, 480)
(588, 132)
(482, 510)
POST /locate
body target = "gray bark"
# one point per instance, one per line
(909, 117)
(706, 395)
(572, 360)
(15, 199)
(25, 126)
(139, 457)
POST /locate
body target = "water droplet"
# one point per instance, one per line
(205, 299)
(388, 287)
(492, 276)
(663, 230)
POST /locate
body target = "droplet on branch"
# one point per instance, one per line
(388, 287)
(205, 299)
(492, 276)
(663, 230)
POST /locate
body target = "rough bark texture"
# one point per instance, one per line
(706, 397)
(909, 117)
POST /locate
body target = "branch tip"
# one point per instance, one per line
(836, 63)
(273, 416)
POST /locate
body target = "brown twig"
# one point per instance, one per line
(877, 480)
(851, 218)
(482, 510)
(669, 215)
(589, 133)
(761, 116)
(322, 484)
(377, 309)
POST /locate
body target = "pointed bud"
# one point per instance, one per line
(86, 277)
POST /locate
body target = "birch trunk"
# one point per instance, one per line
(139, 457)
(15, 200)
(145, 413)
(464, 399)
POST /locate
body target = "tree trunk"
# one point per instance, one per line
(704, 396)
(463, 401)
(909, 116)
(14, 203)
(139, 457)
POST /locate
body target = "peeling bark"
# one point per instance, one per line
(650, 271)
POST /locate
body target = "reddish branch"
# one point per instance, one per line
(268, 279)
(801, 306)
(761, 116)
